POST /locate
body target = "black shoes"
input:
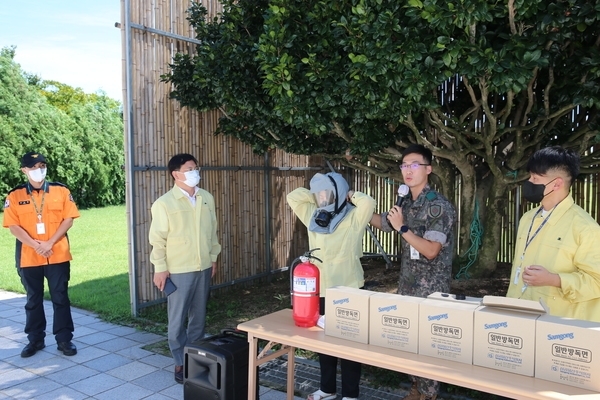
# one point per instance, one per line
(179, 374)
(68, 348)
(32, 348)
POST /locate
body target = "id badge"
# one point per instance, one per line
(517, 275)
(414, 254)
(41, 228)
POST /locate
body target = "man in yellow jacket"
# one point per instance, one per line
(557, 255)
(185, 247)
(336, 218)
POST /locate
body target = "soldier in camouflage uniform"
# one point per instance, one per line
(426, 223)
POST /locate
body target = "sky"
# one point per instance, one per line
(70, 41)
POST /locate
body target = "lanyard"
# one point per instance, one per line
(38, 211)
(528, 242)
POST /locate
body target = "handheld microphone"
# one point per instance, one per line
(403, 191)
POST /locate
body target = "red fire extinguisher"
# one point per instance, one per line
(304, 285)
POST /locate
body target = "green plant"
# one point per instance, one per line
(80, 134)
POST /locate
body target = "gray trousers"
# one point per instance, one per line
(187, 302)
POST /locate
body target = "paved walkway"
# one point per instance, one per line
(110, 362)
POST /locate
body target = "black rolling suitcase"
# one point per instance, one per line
(216, 367)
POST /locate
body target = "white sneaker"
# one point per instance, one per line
(321, 395)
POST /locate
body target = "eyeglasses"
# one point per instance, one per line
(412, 166)
(190, 169)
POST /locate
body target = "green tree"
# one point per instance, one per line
(482, 83)
(63, 96)
(80, 134)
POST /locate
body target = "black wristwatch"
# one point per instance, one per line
(403, 229)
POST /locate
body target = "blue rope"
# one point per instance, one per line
(512, 174)
(476, 236)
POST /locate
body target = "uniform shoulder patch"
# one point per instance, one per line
(22, 186)
(6, 203)
(431, 195)
(71, 198)
(434, 210)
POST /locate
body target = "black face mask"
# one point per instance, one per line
(533, 192)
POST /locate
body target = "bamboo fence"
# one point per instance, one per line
(258, 232)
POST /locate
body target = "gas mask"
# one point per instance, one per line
(534, 192)
(327, 190)
(325, 198)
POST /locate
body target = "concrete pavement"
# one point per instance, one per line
(110, 362)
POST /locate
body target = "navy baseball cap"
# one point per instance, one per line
(30, 159)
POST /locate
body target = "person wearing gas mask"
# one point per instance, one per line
(336, 218)
(185, 247)
(39, 213)
(557, 254)
(425, 221)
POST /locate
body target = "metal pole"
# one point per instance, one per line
(267, 181)
(129, 162)
(163, 33)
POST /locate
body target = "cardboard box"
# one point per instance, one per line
(446, 330)
(568, 351)
(516, 304)
(505, 340)
(394, 321)
(453, 297)
(347, 313)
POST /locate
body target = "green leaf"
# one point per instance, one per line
(415, 3)
(447, 58)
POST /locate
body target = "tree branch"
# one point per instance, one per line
(457, 135)
(470, 90)
(547, 90)
(511, 16)
(222, 109)
(340, 132)
(530, 99)
(505, 112)
(274, 135)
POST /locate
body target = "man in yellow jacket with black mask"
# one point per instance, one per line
(557, 255)
(336, 218)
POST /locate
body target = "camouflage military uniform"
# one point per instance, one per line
(430, 216)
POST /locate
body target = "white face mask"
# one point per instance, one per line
(37, 175)
(191, 178)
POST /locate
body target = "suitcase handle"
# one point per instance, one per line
(234, 332)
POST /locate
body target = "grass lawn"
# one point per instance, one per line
(99, 270)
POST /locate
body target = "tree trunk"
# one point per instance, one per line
(465, 205)
(491, 212)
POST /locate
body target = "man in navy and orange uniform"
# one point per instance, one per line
(39, 214)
